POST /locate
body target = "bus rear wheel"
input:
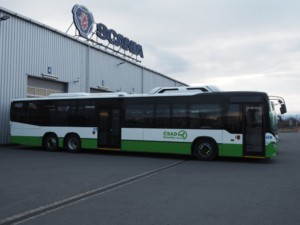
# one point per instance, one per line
(50, 142)
(205, 150)
(72, 143)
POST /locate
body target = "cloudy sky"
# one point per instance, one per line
(234, 44)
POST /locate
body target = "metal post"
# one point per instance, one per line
(142, 80)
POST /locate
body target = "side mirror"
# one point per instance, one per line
(283, 109)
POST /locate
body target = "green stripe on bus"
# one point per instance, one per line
(37, 141)
(271, 150)
(231, 150)
(24, 140)
(177, 148)
(89, 143)
(157, 147)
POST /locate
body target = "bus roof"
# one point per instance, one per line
(83, 95)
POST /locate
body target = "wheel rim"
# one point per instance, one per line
(205, 149)
(73, 144)
(51, 143)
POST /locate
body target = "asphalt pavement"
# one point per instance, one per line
(40, 187)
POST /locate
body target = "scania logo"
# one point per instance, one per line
(83, 19)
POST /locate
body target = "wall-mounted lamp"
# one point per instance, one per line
(119, 64)
(76, 81)
(3, 18)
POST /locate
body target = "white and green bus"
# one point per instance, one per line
(202, 123)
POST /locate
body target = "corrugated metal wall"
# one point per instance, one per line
(29, 48)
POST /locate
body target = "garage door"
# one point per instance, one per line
(39, 87)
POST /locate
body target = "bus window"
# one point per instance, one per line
(273, 118)
(162, 116)
(233, 119)
(86, 113)
(205, 116)
(50, 113)
(66, 113)
(35, 114)
(139, 116)
(19, 112)
(180, 116)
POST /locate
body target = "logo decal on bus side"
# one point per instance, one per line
(180, 135)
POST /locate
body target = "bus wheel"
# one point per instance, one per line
(50, 142)
(205, 149)
(72, 143)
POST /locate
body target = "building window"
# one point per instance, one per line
(40, 87)
(35, 92)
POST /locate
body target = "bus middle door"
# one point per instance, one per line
(109, 129)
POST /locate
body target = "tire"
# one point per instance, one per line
(205, 150)
(50, 142)
(73, 143)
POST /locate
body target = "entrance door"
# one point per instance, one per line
(109, 135)
(254, 140)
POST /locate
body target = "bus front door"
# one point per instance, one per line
(254, 140)
(109, 129)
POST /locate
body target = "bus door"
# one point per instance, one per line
(254, 138)
(109, 129)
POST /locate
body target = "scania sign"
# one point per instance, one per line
(84, 21)
(118, 40)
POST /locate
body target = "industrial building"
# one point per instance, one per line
(37, 60)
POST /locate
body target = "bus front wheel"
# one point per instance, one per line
(50, 142)
(205, 150)
(72, 143)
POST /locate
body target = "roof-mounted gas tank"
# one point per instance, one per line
(184, 89)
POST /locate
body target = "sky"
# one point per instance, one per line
(233, 44)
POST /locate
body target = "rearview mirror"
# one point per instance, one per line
(283, 109)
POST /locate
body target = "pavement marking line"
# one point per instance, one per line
(34, 213)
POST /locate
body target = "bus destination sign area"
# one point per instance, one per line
(84, 23)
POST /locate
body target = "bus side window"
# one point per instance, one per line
(233, 119)
(19, 112)
(66, 113)
(180, 116)
(49, 109)
(139, 116)
(35, 116)
(205, 116)
(162, 116)
(86, 113)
